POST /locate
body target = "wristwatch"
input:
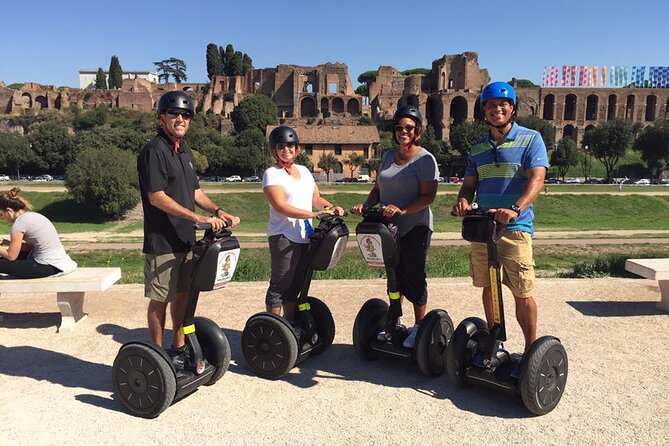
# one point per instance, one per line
(515, 208)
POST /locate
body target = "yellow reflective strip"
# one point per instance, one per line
(304, 307)
(495, 294)
(394, 295)
(189, 329)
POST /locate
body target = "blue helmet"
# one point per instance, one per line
(499, 90)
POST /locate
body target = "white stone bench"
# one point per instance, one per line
(654, 269)
(70, 290)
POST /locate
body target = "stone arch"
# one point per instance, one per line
(325, 107)
(443, 81)
(588, 128)
(353, 107)
(307, 107)
(570, 108)
(570, 131)
(458, 111)
(549, 107)
(58, 103)
(629, 108)
(339, 168)
(591, 105)
(41, 102)
(434, 111)
(26, 100)
(651, 107)
(478, 113)
(611, 109)
(338, 105)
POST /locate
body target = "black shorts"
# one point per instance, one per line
(411, 276)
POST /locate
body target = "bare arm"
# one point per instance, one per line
(204, 202)
(14, 248)
(428, 191)
(373, 199)
(465, 196)
(167, 204)
(319, 202)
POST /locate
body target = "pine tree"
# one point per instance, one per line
(214, 67)
(100, 80)
(115, 73)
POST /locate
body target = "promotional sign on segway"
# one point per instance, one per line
(227, 263)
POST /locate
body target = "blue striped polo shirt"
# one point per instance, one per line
(501, 171)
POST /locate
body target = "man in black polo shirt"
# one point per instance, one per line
(170, 190)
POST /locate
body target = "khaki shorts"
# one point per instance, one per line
(514, 251)
(165, 275)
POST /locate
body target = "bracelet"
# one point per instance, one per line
(217, 210)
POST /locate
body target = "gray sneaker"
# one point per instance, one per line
(410, 340)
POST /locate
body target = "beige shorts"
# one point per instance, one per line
(165, 275)
(514, 251)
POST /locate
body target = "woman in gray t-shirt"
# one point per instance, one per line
(406, 185)
(34, 248)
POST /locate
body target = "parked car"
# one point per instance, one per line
(3, 177)
(553, 180)
(363, 179)
(233, 179)
(594, 181)
(572, 181)
(662, 181)
(251, 179)
(345, 180)
(642, 181)
(44, 177)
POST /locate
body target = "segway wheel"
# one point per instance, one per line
(143, 380)
(432, 339)
(543, 375)
(325, 325)
(269, 345)
(466, 342)
(371, 320)
(215, 347)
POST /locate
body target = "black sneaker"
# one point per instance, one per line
(179, 356)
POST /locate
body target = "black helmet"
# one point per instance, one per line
(175, 99)
(282, 134)
(408, 111)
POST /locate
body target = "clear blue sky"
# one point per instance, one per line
(49, 41)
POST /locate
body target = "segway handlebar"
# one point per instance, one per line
(206, 226)
(372, 211)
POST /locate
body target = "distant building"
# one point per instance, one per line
(87, 78)
(338, 140)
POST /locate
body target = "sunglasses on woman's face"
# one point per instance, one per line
(408, 128)
(176, 113)
(285, 145)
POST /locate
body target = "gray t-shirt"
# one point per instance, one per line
(40, 233)
(400, 185)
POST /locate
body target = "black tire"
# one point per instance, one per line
(143, 380)
(543, 375)
(215, 347)
(325, 324)
(371, 319)
(434, 335)
(466, 342)
(269, 345)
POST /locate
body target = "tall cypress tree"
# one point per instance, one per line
(115, 73)
(100, 80)
(214, 67)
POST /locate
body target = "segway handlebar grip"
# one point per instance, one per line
(205, 226)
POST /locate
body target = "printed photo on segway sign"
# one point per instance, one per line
(370, 247)
(227, 262)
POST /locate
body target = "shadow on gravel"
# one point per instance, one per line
(30, 320)
(616, 309)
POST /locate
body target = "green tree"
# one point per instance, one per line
(564, 156)
(353, 162)
(115, 73)
(609, 142)
(247, 63)
(653, 143)
(92, 118)
(100, 80)
(256, 111)
(52, 146)
(201, 163)
(466, 134)
(328, 163)
(523, 83)
(540, 125)
(368, 77)
(438, 148)
(214, 66)
(362, 90)
(105, 180)
(164, 72)
(423, 71)
(15, 152)
(252, 142)
(226, 57)
(373, 164)
(303, 159)
(173, 67)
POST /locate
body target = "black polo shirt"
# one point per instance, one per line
(160, 168)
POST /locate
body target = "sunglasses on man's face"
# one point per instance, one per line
(408, 128)
(176, 113)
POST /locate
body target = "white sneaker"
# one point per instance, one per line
(410, 340)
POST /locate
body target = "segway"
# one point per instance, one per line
(272, 345)
(146, 379)
(379, 244)
(474, 354)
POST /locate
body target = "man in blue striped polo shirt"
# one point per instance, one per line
(506, 171)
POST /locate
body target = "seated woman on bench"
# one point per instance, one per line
(34, 248)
